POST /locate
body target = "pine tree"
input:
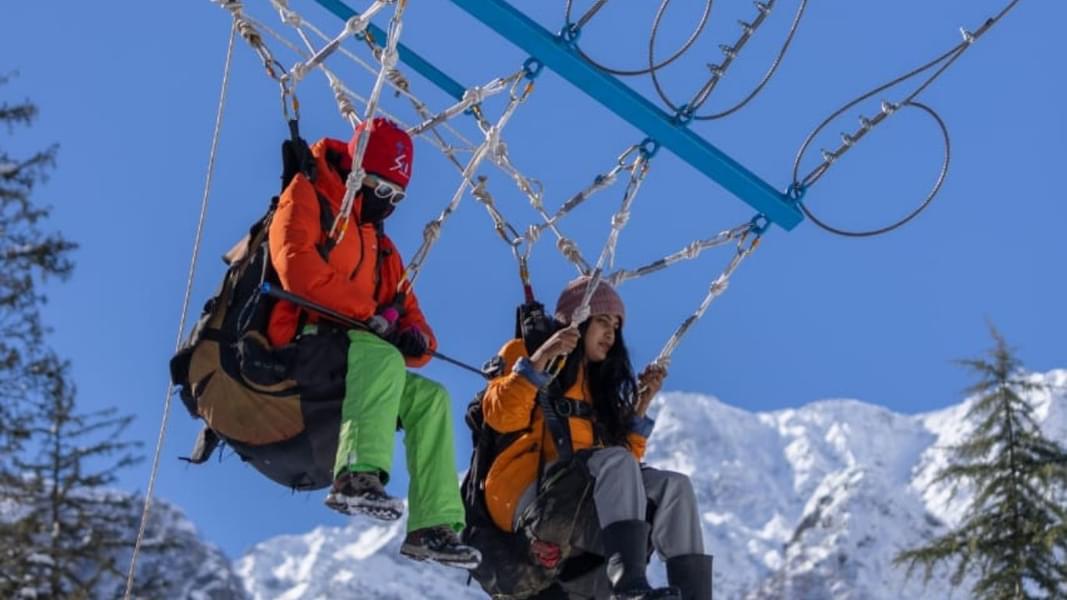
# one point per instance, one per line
(63, 532)
(79, 527)
(1013, 536)
(28, 256)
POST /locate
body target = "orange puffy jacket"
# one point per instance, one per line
(363, 270)
(510, 404)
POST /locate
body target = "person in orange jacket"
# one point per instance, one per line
(603, 406)
(357, 274)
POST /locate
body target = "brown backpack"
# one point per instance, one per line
(278, 408)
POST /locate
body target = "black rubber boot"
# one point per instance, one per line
(626, 552)
(691, 573)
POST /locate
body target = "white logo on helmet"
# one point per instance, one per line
(400, 162)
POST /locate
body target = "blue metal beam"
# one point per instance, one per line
(555, 54)
(410, 58)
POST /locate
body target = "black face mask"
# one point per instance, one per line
(375, 208)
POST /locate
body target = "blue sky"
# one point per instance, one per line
(130, 91)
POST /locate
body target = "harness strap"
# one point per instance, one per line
(557, 409)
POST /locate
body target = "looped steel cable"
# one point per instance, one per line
(911, 215)
(849, 140)
(730, 53)
(653, 67)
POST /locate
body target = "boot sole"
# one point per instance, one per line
(359, 506)
(449, 560)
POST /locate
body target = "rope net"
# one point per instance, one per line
(320, 49)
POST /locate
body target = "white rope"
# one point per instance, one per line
(492, 146)
(492, 137)
(353, 27)
(638, 172)
(690, 252)
(341, 92)
(716, 289)
(471, 97)
(355, 177)
(185, 310)
(288, 16)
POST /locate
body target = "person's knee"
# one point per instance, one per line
(437, 397)
(614, 458)
(387, 361)
(680, 487)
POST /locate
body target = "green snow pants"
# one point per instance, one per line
(379, 390)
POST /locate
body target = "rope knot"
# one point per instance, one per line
(432, 231)
(692, 250)
(580, 314)
(533, 233)
(500, 150)
(291, 18)
(719, 286)
(618, 220)
(389, 60)
(569, 249)
(474, 95)
(481, 193)
(606, 180)
(355, 179)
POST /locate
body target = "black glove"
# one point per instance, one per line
(411, 342)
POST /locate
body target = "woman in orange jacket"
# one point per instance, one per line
(601, 406)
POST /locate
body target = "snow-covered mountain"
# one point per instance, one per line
(806, 503)
(192, 568)
(173, 557)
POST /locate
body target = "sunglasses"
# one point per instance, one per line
(385, 189)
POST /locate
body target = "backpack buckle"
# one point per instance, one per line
(563, 407)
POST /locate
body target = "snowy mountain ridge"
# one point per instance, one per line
(810, 503)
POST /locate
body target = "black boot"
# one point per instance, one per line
(691, 573)
(626, 552)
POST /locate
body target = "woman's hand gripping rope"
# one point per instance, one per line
(559, 346)
(649, 383)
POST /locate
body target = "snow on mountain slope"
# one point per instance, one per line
(808, 503)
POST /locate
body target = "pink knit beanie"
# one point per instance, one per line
(605, 300)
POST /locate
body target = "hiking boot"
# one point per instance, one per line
(363, 494)
(440, 544)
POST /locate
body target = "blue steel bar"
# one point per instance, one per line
(410, 58)
(634, 108)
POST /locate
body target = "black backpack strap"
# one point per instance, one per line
(556, 425)
(296, 156)
(206, 442)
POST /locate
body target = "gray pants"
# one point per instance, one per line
(622, 491)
